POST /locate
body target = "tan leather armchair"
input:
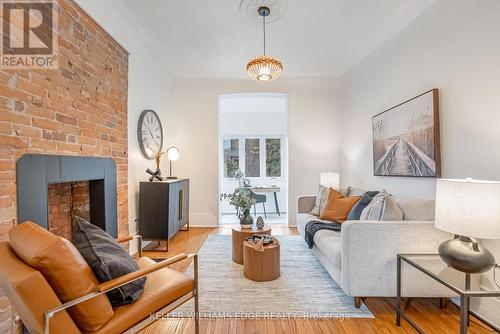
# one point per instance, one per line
(41, 310)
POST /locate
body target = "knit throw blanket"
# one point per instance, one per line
(314, 226)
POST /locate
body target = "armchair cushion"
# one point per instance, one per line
(162, 288)
(18, 281)
(66, 271)
(108, 260)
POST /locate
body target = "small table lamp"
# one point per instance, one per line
(173, 155)
(330, 180)
(469, 209)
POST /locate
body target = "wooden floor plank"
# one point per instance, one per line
(425, 312)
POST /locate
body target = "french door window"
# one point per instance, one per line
(256, 157)
(231, 157)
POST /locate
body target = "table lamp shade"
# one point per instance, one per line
(468, 208)
(173, 153)
(330, 180)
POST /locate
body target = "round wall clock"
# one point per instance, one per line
(149, 134)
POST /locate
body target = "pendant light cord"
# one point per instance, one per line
(264, 31)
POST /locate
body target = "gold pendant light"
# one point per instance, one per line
(265, 67)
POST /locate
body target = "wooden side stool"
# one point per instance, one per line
(261, 266)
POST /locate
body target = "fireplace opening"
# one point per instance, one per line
(69, 199)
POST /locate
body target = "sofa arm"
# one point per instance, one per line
(305, 204)
(369, 256)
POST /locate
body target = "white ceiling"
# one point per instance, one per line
(314, 38)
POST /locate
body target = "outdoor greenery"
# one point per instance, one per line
(273, 157)
(231, 157)
(252, 157)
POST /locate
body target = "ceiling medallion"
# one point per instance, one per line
(250, 9)
(264, 67)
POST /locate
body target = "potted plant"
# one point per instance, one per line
(242, 200)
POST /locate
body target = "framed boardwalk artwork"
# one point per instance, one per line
(406, 138)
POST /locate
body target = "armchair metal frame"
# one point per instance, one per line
(125, 279)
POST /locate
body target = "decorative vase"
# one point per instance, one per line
(246, 220)
(260, 223)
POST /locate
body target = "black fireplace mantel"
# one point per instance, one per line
(34, 172)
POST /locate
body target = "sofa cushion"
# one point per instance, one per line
(417, 209)
(329, 243)
(382, 207)
(66, 271)
(337, 207)
(107, 259)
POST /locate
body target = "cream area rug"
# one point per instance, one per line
(304, 289)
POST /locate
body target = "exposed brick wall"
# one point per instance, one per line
(79, 109)
(67, 200)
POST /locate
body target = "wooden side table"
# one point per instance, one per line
(239, 235)
(261, 266)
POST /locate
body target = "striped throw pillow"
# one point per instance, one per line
(382, 207)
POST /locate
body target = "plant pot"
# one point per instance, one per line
(246, 219)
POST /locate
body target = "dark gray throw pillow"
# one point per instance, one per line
(107, 259)
(356, 210)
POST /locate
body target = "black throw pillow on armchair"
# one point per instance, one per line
(107, 259)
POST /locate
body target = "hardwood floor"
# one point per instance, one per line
(425, 312)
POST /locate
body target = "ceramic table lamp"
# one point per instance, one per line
(469, 209)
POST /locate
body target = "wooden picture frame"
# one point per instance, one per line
(406, 138)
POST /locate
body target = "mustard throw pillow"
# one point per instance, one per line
(337, 207)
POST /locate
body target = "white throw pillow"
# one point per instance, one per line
(321, 197)
(382, 207)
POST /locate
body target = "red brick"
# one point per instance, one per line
(45, 124)
(13, 142)
(6, 116)
(27, 131)
(83, 100)
(53, 135)
(66, 119)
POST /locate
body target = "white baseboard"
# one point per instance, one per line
(203, 220)
(487, 308)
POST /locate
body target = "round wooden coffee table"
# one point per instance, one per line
(261, 266)
(239, 235)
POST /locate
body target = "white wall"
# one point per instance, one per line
(313, 125)
(149, 88)
(253, 114)
(454, 46)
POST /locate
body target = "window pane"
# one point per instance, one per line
(252, 158)
(231, 157)
(273, 157)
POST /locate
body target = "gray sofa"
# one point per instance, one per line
(362, 258)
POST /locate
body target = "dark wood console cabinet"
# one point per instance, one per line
(163, 209)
